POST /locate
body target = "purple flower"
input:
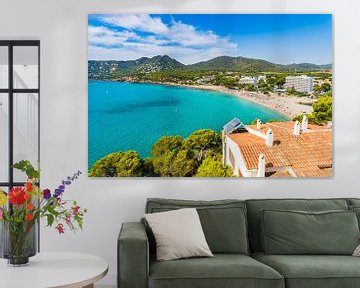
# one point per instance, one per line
(46, 194)
(58, 192)
(65, 183)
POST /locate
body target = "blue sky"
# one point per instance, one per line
(190, 38)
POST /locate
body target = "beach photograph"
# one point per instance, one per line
(210, 95)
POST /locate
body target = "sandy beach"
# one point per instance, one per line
(288, 105)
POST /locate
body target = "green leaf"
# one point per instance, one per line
(79, 221)
(50, 219)
(26, 167)
(53, 211)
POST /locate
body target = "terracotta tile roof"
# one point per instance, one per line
(252, 146)
(308, 155)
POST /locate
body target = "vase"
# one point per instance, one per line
(18, 242)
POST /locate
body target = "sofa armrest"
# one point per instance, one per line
(133, 256)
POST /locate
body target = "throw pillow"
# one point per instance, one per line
(357, 251)
(178, 234)
(225, 229)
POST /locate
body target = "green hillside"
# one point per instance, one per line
(162, 63)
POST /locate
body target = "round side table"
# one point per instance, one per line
(54, 270)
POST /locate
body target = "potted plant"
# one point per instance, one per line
(21, 209)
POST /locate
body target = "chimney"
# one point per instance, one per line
(296, 128)
(304, 123)
(269, 138)
(258, 124)
(261, 166)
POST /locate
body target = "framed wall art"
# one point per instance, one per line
(210, 95)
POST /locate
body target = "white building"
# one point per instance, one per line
(248, 80)
(262, 77)
(278, 149)
(252, 80)
(303, 83)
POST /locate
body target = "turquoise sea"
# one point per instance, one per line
(128, 116)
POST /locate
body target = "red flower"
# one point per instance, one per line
(29, 186)
(29, 206)
(27, 196)
(68, 219)
(75, 209)
(29, 217)
(17, 196)
(60, 228)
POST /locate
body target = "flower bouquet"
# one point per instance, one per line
(21, 208)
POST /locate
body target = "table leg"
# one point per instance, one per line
(89, 286)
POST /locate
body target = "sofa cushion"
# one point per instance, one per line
(354, 205)
(178, 234)
(222, 270)
(223, 221)
(296, 232)
(255, 206)
(356, 209)
(314, 271)
(353, 201)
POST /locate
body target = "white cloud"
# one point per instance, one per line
(140, 22)
(155, 40)
(179, 40)
(133, 50)
(103, 53)
(104, 36)
(187, 35)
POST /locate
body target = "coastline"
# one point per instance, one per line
(288, 106)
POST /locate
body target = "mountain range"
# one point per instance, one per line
(102, 69)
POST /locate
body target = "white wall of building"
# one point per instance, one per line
(248, 80)
(239, 163)
(304, 84)
(62, 28)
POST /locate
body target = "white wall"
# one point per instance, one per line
(62, 28)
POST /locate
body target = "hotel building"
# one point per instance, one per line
(248, 80)
(252, 80)
(304, 84)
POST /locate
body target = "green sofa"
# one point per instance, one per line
(233, 231)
